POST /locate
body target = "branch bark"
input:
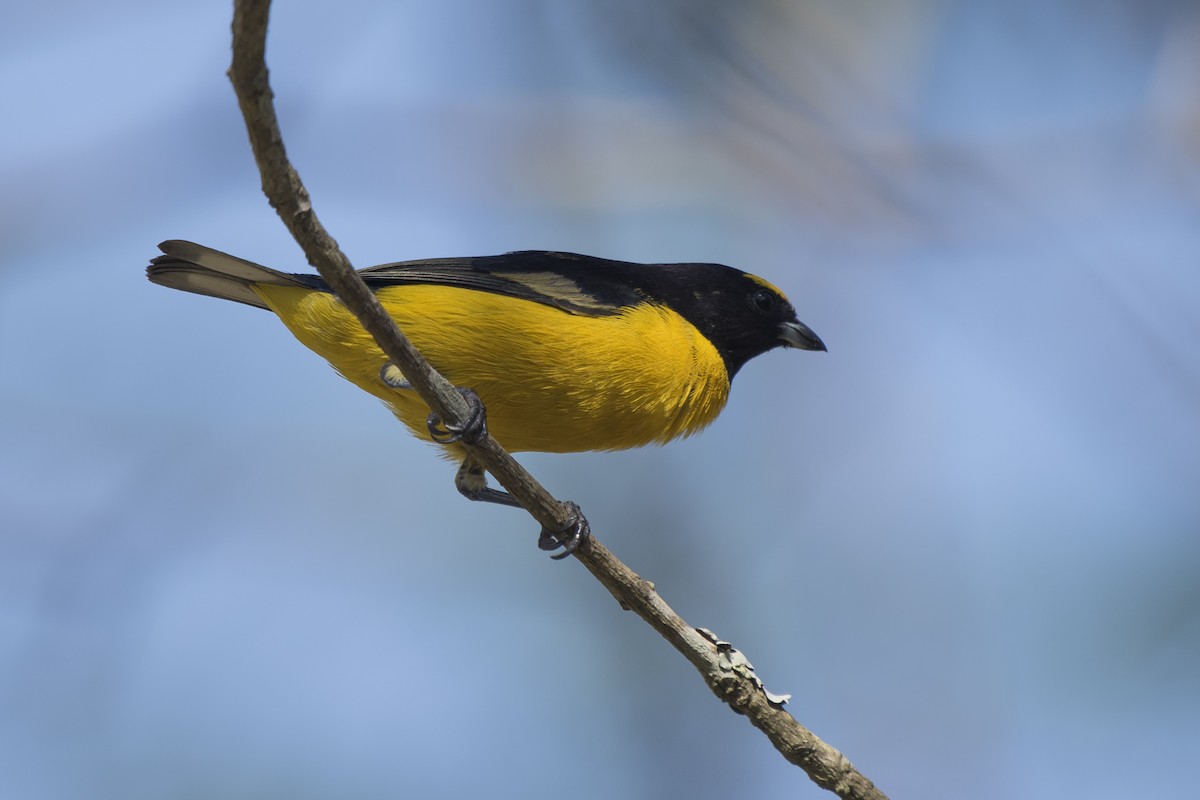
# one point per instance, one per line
(727, 676)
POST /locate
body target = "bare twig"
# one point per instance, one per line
(730, 680)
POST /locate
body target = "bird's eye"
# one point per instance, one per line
(763, 301)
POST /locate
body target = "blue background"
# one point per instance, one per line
(965, 540)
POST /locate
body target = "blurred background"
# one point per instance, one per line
(967, 540)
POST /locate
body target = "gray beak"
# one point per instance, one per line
(797, 334)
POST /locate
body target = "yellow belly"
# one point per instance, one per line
(551, 381)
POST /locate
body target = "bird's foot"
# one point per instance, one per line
(569, 536)
(473, 429)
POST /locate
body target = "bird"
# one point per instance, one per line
(566, 352)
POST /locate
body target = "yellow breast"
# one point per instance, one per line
(551, 381)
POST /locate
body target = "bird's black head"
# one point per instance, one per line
(741, 314)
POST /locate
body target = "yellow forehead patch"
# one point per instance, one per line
(767, 284)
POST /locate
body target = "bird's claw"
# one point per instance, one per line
(472, 429)
(569, 536)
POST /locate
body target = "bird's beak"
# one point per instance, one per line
(797, 334)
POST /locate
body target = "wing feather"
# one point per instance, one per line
(573, 283)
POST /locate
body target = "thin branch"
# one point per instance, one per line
(730, 679)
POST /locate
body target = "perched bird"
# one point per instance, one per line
(567, 352)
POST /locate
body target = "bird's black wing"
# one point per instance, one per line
(574, 283)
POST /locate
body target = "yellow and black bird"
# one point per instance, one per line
(567, 352)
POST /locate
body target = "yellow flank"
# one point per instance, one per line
(551, 381)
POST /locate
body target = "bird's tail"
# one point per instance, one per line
(194, 268)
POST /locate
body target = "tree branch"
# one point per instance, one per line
(723, 669)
